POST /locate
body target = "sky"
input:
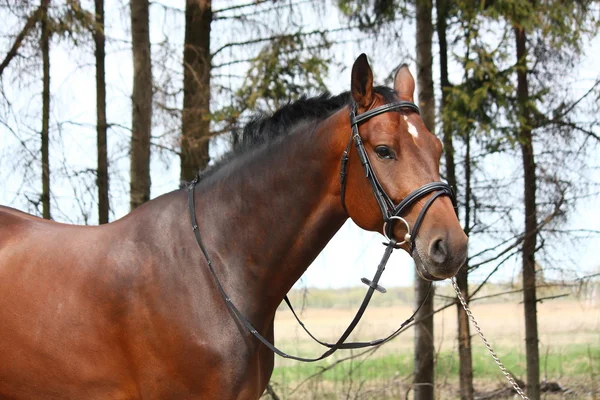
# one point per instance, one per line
(352, 253)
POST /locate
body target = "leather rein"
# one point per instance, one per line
(390, 211)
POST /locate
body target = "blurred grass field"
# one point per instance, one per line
(569, 331)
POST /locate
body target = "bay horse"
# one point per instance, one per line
(130, 309)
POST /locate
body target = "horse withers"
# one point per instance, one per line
(131, 310)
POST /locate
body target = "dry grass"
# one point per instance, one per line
(559, 323)
(563, 325)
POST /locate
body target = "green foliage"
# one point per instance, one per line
(70, 21)
(373, 14)
(284, 69)
(485, 102)
(561, 25)
(478, 104)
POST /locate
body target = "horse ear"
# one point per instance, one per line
(404, 83)
(362, 82)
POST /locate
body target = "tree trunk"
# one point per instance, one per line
(424, 345)
(529, 243)
(464, 334)
(196, 88)
(141, 104)
(101, 127)
(45, 45)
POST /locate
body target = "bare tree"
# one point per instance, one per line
(141, 104)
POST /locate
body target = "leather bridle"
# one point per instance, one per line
(390, 212)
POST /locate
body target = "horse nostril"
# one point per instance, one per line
(438, 250)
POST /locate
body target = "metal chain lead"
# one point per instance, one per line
(492, 352)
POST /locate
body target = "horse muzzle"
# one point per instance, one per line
(441, 256)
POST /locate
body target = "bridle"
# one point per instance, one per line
(390, 212)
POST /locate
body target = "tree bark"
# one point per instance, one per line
(45, 136)
(464, 334)
(141, 104)
(529, 244)
(196, 88)
(424, 388)
(424, 345)
(101, 126)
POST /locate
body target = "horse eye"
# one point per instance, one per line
(384, 152)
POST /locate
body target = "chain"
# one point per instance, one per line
(492, 352)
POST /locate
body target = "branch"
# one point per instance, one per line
(167, 7)
(33, 155)
(572, 106)
(246, 16)
(497, 294)
(289, 35)
(517, 242)
(541, 299)
(558, 119)
(19, 39)
(248, 60)
(587, 277)
(576, 127)
(237, 7)
(490, 275)
(519, 238)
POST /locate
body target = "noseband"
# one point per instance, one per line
(390, 211)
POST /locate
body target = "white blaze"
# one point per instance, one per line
(411, 128)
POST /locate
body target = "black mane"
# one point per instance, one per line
(264, 128)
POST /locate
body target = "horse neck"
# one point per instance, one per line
(265, 217)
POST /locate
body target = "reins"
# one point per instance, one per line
(391, 213)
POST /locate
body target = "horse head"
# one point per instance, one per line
(400, 159)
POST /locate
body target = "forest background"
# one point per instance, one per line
(104, 105)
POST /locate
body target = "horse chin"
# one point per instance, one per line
(422, 269)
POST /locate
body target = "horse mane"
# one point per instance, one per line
(265, 128)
